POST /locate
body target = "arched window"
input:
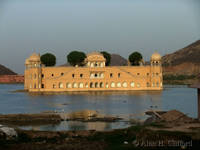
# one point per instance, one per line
(92, 64)
(81, 85)
(54, 86)
(107, 86)
(118, 84)
(92, 75)
(101, 85)
(86, 85)
(68, 85)
(91, 85)
(132, 84)
(75, 85)
(111, 75)
(102, 75)
(119, 75)
(96, 85)
(81, 75)
(125, 84)
(60, 85)
(112, 85)
(101, 64)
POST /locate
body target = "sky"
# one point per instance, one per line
(116, 26)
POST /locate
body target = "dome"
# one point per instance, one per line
(95, 56)
(156, 57)
(34, 57)
(27, 61)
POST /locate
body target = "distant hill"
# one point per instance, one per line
(6, 71)
(184, 61)
(117, 60)
(190, 54)
(65, 65)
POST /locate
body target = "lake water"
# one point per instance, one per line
(123, 104)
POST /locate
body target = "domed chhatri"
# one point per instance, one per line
(95, 59)
(95, 56)
(156, 57)
(94, 76)
(34, 57)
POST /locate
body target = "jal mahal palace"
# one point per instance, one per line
(94, 76)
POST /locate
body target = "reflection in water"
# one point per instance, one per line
(97, 93)
(126, 104)
(77, 125)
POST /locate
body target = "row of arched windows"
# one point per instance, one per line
(103, 85)
(99, 85)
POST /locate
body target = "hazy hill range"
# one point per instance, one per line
(185, 61)
(6, 71)
(117, 60)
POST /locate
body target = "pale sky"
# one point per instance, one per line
(116, 26)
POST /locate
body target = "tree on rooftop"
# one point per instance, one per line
(135, 58)
(48, 59)
(107, 56)
(76, 58)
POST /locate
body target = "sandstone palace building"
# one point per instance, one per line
(94, 76)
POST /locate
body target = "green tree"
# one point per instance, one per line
(48, 59)
(76, 58)
(135, 58)
(107, 56)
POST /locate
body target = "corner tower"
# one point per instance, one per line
(33, 73)
(156, 71)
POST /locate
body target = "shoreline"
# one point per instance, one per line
(139, 135)
(55, 118)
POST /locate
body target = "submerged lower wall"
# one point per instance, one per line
(97, 89)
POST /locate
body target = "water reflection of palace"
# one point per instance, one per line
(99, 126)
(94, 76)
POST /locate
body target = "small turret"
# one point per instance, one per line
(95, 59)
(155, 59)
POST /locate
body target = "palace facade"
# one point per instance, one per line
(94, 76)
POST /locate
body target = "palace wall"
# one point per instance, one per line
(97, 78)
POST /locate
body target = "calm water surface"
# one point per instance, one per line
(123, 104)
